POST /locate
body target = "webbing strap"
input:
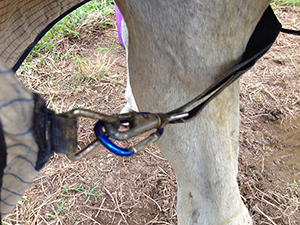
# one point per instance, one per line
(289, 31)
(260, 42)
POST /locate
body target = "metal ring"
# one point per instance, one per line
(160, 132)
(108, 143)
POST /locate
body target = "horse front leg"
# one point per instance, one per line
(131, 104)
(203, 154)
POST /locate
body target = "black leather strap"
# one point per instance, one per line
(260, 42)
(3, 156)
(289, 31)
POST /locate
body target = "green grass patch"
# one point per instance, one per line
(81, 20)
(92, 16)
(286, 2)
(69, 193)
(256, 95)
(80, 189)
(56, 210)
(295, 185)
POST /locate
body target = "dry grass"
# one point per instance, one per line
(269, 130)
(90, 72)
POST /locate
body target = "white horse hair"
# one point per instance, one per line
(175, 50)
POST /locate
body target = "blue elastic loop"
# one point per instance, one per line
(108, 143)
(160, 132)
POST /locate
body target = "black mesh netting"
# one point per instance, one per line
(24, 22)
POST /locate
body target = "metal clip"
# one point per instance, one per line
(73, 154)
(139, 123)
(104, 138)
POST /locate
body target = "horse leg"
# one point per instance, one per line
(176, 50)
(131, 104)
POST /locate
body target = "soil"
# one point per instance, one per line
(106, 189)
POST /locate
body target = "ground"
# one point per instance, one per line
(102, 188)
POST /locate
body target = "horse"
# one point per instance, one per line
(175, 50)
(178, 49)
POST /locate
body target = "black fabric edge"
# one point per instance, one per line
(40, 131)
(53, 133)
(3, 156)
(264, 34)
(42, 33)
(261, 40)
